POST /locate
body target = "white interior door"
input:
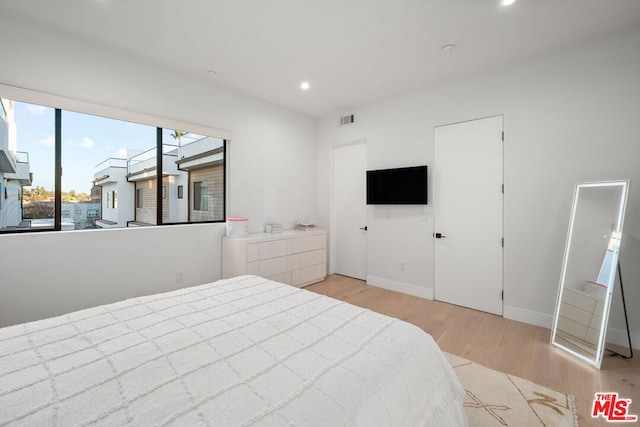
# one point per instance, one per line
(468, 214)
(349, 236)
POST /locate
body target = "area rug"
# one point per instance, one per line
(497, 399)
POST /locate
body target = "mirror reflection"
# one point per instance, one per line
(589, 268)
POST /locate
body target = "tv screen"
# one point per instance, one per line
(400, 186)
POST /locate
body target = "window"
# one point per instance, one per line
(140, 175)
(189, 158)
(111, 152)
(139, 198)
(200, 196)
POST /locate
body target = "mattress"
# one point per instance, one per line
(236, 352)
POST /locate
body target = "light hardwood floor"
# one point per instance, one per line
(497, 343)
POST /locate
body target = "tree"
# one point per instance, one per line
(178, 134)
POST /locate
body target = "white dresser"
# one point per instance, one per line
(294, 257)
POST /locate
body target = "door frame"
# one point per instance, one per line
(333, 241)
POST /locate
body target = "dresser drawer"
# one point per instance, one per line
(307, 243)
(307, 259)
(306, 275)
(282, 278)
(269, 267)
(266, 250)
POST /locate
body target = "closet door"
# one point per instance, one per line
(468, 214)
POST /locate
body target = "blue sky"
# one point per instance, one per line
(86, 141)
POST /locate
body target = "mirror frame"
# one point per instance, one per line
(597, 360)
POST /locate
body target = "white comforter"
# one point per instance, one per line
(237, 352)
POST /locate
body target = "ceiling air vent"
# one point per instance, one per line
(345, 120)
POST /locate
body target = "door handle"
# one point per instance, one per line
(439, 236)
(365, 228)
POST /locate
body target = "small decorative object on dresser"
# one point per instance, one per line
(306, 225)
(273, 227)
(237, 227)
(294, 257)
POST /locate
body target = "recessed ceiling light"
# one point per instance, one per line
(304, 86)
(507, 2)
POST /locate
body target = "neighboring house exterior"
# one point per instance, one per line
(204, 160)
(114, 194)
(15, 171)
(74, 215)
(142, 171)
(192, 185)
(80, 215)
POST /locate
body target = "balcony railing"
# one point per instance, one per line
(7, 163)
(4, 109)
(112, 162)
(167, 149)
(21, 157)
(199, 146)
(147, 159)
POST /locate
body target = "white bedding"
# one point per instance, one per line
(237, 352)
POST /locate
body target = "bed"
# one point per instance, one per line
(236, 352)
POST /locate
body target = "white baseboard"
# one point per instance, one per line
(405, 288)
(527, 316)
(614, 336)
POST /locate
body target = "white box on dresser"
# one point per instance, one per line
(295, 257)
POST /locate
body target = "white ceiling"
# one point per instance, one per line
(350, 51)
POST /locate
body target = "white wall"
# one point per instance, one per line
(570, 115)
(271, 174)
(48, 274)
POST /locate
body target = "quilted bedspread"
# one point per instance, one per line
(237, 352)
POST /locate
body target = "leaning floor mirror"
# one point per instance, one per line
(589, 269)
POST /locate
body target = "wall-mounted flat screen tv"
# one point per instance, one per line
(400, 186)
